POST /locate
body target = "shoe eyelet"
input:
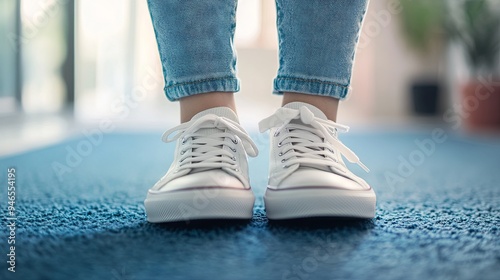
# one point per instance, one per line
(280, 154)
(234, 150)
(285, 166)
(235, 141)
(184, 140)
(183, 152)
(236, 170)
(283, 160)
(276, 134)
(280, 144)
(233, 158)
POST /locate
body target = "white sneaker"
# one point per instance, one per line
(208, 178)
(307, 176)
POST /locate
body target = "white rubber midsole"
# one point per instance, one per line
(202, 203)
(319, 202)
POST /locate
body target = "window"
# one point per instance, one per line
(102, 62)
(8, 54)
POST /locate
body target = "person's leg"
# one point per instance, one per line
(307, 177)
(317, 42)
(195, 41)
(208, 177)
(192, 105)
(328, 105)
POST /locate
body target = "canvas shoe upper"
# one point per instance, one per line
(307, 174)
(210, 161)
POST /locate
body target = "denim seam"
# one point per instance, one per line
(233, 29)
(279, 16)
(360, 26)
(160, 50)
(201, 81)
(180, 90)
(311, 81)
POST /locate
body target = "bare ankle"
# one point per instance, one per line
(194, 104)
(328, 105)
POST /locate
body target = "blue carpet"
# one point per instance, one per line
(438, 217)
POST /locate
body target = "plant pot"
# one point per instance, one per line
(425, 98)
(481, 106)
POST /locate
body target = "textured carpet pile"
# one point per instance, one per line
(80, 215)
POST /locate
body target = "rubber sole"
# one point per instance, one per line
(319, 202)
(199, 204)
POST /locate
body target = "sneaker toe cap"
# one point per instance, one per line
(309, 177)
(212, 178)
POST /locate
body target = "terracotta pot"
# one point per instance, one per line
(481, 106)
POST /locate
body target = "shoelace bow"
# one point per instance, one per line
(306, 150)
(205, 151)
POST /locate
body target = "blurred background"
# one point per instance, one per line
(67, 65)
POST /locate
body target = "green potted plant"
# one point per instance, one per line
(421, 24)
(475, 24)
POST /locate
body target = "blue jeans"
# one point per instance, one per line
(317, 42)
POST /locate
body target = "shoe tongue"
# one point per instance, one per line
(219, 111)
(224, 112)
(317, 113)
(297, 105)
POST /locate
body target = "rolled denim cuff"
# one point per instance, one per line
(176, 91)
(310, 86)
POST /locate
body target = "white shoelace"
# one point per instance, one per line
(308, 148)
(206, 151)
